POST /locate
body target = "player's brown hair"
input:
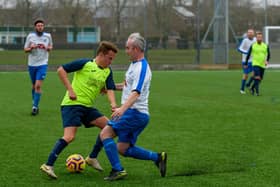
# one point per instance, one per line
(105, 46)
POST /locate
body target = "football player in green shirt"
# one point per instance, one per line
(260, 57)
(91, 76)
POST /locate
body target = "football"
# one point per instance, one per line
(75, 163)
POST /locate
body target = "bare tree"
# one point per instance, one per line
(25, 9)
(117, 7)
(161, 10)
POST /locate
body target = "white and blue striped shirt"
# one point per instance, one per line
(138, 78)
(245, 46)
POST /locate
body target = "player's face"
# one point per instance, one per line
(130, 50)
(39, 27)
(259, 38)
(108, 58)
(250, 34)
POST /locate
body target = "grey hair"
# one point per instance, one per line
(138, 41)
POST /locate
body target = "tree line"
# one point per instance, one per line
(156, 19)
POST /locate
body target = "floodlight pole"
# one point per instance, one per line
(220, 24)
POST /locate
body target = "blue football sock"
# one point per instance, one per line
(112, 154)
(37, 97)
(140, 153)
(33, 91)
(243, 84)
(96, 148)
(59, 146)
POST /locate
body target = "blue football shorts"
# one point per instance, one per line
(129, 125)
(76, 115)
(247, 70)
(37, 72)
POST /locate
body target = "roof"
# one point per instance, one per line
(183, 12)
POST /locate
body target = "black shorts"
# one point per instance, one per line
(76, 115)
(258, 71)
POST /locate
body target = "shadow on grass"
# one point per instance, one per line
(192, 171)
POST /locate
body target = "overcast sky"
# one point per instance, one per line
(259, 3)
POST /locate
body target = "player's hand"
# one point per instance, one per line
(49, 48)
(245, 66)
(113, 108)
(266, 63)
(103, 91)
(33, 46)
(117, 113)
(72, 95)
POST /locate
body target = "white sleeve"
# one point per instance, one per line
(243, 47)
(27, 41)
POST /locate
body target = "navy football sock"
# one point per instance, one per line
(96, 148)
(243, 84)
(59, 146)
(257, 83)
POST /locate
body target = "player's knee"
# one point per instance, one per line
(123, 152)
(106, 133)
(37, 88)
(69, 138)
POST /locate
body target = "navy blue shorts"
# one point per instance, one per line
(76, 115)
(249, 68)
(258, 71)
(130, 125)
(37, 72)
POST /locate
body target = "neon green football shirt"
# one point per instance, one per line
(87, 82)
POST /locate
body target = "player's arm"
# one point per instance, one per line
(135, 93)
(64, 79)
(119, 86)
(29, 46)
(241, 47)
(50, 46)
(268, 56)
(248, 56)
(128, 103)
(68, 68)
(110, 87)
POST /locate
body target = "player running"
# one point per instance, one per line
(247, 69)
(90, 77)
(38, 44)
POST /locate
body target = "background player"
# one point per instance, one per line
(260, 54)
(243, 49)
(38, 44)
